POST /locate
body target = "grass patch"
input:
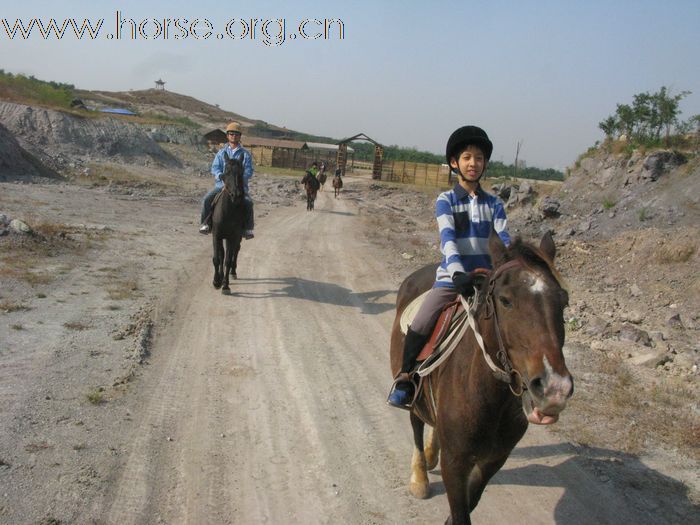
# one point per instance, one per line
(126, 289)
(96, 396)
(608, 203)
(643, 214)
(26, 275)
(10, 306)
(610, 410)
(78, 326)
(17, 326)
(676, 252)
(29, 90)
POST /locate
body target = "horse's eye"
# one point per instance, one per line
(505, 302)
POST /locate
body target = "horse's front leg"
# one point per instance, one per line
(432, 450)
(229, 255)
(234, 260)
(218, 260)
(419, 486)
(456, 469)
(479, 478)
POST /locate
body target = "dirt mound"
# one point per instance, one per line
(62, 139)
(16, 163)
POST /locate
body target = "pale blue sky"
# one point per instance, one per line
(407, 72)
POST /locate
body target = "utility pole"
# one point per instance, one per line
(517, 152)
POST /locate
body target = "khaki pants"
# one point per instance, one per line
(427, 315)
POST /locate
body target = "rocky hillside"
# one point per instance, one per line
(63, 140)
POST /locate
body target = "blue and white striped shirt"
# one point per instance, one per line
(465, 224)
(217, 167)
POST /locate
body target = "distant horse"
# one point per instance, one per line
(227, 223)
(337, 185)
(474, 406)
(322, 177)
(311, 185)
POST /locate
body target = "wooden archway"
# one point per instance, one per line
(378, 154)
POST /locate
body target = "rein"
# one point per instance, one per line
(506, 374)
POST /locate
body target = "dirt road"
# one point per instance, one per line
(267, 406)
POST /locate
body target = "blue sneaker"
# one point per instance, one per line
(401, 395)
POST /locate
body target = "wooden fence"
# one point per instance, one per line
(292, 158)
(419, 173)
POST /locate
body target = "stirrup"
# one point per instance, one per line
(410, 398)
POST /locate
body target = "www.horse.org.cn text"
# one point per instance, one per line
(270, 32)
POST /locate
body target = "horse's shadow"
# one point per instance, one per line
(346, 213)
(621, 481)
(316, 291)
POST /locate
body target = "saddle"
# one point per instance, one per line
(444, 326)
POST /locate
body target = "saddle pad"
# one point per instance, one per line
(410, 312)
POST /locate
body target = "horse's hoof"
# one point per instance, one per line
(419, 490)
(234, 276)
(216, 285)
(226, 290)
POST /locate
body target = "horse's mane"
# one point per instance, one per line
(534, 259)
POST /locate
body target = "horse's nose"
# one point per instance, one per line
(552, 386)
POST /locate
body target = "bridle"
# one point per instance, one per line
(236, 195)
(506, 373)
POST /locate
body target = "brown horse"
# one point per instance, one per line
(474, 408)
(227, 223)
(337, 185)
(311, 186)
(322, 177)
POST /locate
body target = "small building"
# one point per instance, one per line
(160, 85)
(260, 142)
(326, 147)
(275, 152)
(214, 139)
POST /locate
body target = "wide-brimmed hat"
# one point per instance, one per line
(234, 126)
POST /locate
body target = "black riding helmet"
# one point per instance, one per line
(465, 136)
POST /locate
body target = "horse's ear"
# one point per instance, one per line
(497, 249)
(547, 246)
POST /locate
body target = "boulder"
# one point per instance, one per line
(550, 207)
(629, 332)
(19, 226)
(659, 162)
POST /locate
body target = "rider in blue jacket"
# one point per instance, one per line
(233, 150)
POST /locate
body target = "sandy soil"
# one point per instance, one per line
(133, 392)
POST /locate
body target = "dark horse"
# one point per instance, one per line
(337, 185)
(227, 223)
(474, 408)
(322, 179)
(311, 186)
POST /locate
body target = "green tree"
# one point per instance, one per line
(610, 126)
(668, 109)
(649, 115)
